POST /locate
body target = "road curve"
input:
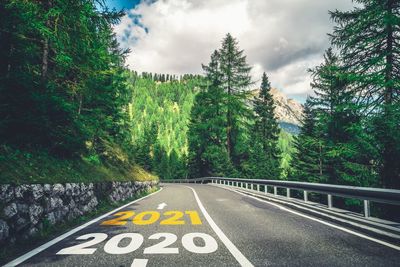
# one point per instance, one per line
(205, 225)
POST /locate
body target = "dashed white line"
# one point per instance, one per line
(161, 206)
(243, 261)
(73, 231)
(139, 263)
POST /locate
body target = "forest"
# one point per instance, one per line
(67, 97)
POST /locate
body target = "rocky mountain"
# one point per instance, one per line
(287, 110)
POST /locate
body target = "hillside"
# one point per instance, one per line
(25, 167)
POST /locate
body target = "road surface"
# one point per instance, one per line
(205, 225)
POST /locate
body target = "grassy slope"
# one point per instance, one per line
(38, 167)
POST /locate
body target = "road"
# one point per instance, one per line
(205, 225)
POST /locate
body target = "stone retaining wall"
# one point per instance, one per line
(25, 209)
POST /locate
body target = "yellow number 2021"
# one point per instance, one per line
(171, 217)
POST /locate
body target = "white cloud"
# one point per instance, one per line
(281, 37)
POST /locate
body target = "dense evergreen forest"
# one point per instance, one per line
(66, 95)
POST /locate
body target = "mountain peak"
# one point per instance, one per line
(286, 109)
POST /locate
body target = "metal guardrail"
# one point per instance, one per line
(367, 194)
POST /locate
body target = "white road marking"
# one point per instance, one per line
(243, 261)
(161, 206)
(112, 245)
(139, 263)
(162, 247)
(318, 220)
(210, 244)
(32, 253)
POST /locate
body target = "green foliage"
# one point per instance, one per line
(264, 159)
(159, 115)
(368, 41)
(63, 92)
(331, 146)
(286, 146)
(219, 131)
(24, 167)
(61, 84)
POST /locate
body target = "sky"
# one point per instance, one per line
(284, 38)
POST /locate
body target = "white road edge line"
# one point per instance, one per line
(243, 261)
(37, 250)
(318, 220)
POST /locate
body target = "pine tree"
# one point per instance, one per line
(235, 77)
(265, 156)
(64, 71)
(368, 41)
(308, 161)
(346, 160)
(207, 151)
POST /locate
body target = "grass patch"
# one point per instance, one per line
(19, 167)
(49, 232)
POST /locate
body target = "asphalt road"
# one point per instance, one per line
(204, 225)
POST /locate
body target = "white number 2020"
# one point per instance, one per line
(136, 240)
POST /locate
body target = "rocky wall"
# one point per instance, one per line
(26, 209)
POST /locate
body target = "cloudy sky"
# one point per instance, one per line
(281, 37)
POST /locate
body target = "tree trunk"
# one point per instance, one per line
(45, 59)
(389, 58)
(45, 52)
(229, 133)
(389, 173)
(80, 104)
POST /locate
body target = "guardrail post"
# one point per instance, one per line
(266, 189)
(329, 201)
(275, 190)
(258, 188)
(367, 209)
(305, 195)
(288, 192)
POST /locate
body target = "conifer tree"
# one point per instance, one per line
(308, 161)
(235, 77)
(265, 154)
(346, 160)
(368, 39)
(207, 151)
